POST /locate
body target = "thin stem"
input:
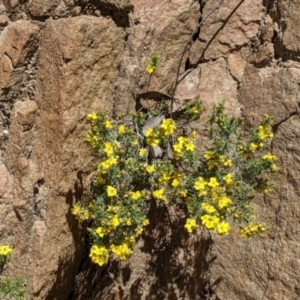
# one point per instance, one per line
(187, 45)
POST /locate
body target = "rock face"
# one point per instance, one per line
(52, 75)
(62, 59)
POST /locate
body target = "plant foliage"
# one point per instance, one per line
(154, 157)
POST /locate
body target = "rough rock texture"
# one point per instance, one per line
(43, 153)
(61, 59)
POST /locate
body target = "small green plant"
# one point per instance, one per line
(153, 64)
(154, 158)
(12, 288)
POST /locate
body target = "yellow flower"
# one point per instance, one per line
(223, 228)
(253, 147)
(200, 184)
(150, 169)
(202, 193)
(215, 194)
(228, 179)
(146, 222)
(274, 168)
(175, 182)
(182, 140)
(134, 142)
(182, 193)
(261, 228)
(227, 163)
(150, 68)
(224, 202)
(164, 178)
(151, 137)
(148, 132)
(237, 215)
(269, 157)
(136, 195)
(139, 231)
(99, 255)
(122, 129)
(264, 132)
(190, 225)
(190, 146)
(178, 148)
(92, 117)
(5, 250)
(208, 154)
(159, 194)
(221, 158)
(194, 110)
(128, 222)
(115, 221)
(209, 221)
(168, 127)
(100, 231)
(143, 152)
(107, 164)
(76, 209)
(113, 209)
(111, 191)
(129, 240)
(194, 134)
(108, 124)
(213, 182)
(153, 141)
(252, 230)
(108, 148)
(80, 213)
(208, 208)
(113, 160)
(92, 139)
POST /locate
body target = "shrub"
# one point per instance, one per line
(153, 156)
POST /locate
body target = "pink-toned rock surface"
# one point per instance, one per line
(38, 8)
(4, 19)
(62, 59)
(290, 22)
(11, 4)
(153, 32)
(41, 166)
(268, 266)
